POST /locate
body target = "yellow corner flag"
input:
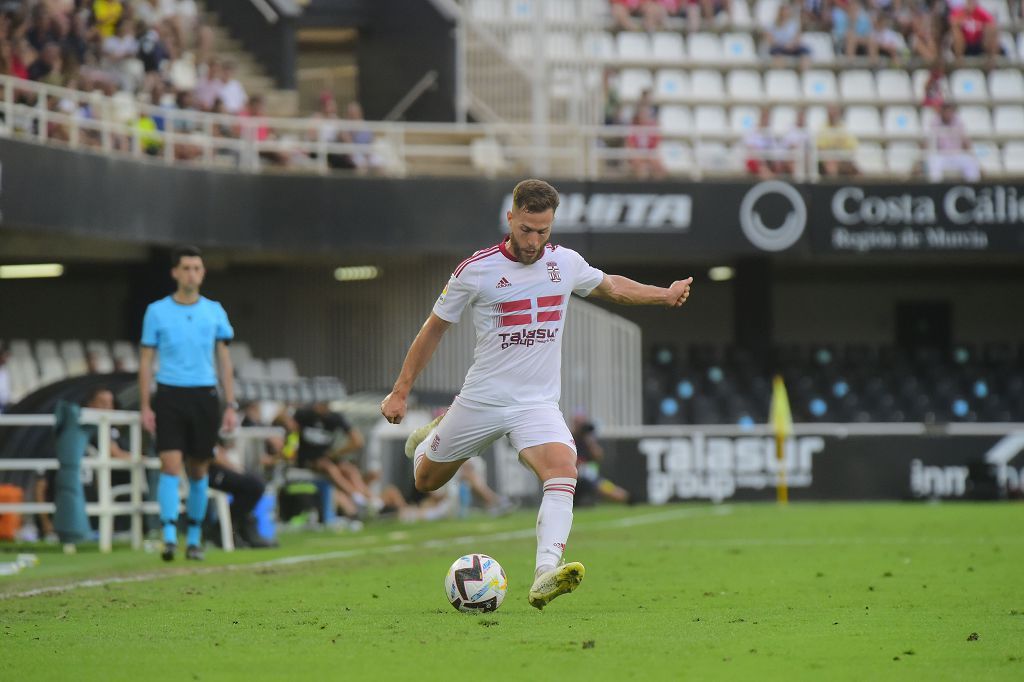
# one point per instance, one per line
(782, 425)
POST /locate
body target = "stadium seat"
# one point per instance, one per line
(46, 348)
(819, 86)
(704, 48)
(20, 348)
(862, 120)
(72, 352)
(671, 85)
(706, 86)
(254, 370)
(821, 47)
(632, 82)
(126, 356)
(744, 85)
(282, 369)
(968, 85)
(744, 119)
(976, 119)
(857, 85)
(560, 11)
(1008, 46)
(633, 46)
(815, 118)
(999, 10)
(765, 12)
(520, 45)
(598, 45)
(869, 158)
(676, 157)
(901, 121)
(1009, 120)
(488, 10)
(988, 157)
(521, 10)
(717, 157)
(710, 120)
(99, 348)
(782, 85)
(738, 48)
(894, 86)
(51, 369)
(668, 47)
(1006, 85)
(783, 119)
(561, 46)
(919, 80)
(902, 157)
(486, 156)
(675, 120)
(240, 353)
(1013, 157)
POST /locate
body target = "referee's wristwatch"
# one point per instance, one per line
(233, 405)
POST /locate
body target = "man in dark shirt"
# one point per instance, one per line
(589, 453)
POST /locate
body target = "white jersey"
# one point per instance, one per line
(519, 312)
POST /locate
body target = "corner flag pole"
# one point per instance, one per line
(782, 425)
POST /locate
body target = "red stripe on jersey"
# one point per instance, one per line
(549, 315)
(513, 306)
(549, 301)
(516, 320)
(479, 255)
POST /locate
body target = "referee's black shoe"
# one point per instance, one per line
(168, 553)
(194, 553)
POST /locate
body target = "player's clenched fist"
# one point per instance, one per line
(393, 408)
(678, 292)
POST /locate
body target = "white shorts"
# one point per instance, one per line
(469, 428)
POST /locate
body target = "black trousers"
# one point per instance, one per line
(245, 490)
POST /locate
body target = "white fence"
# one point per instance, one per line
(106, 508)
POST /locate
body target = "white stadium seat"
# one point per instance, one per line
(671, 85)
(239, 352)
(765, 12)
(901, 121)
(522, 10)
(598, 45)
(282, 369)
(487, 10)
(676, 157)
(988, 157)
(46, 348)
(717, 157)
(782, 85)
(821, 47)
(820, 86)
(744, 85)
(20, 348)
(1006, 85)
(560, 11)
(857, 85)
(920, 79)
(51, 369)
(561, 46)
(738, 48)
(741, 17)
(710, 120)
(633, 46)
(520, 45)
(632, 82)
(969, 86)
(674, 119)
(869, 158)
(1009, 120)
(999, 10)
(815, 118)
(783, 119)
(1013, 157)
(902, 157)
(668, 47)
(706, 85)
(704, 48)
(862, 120)
(99, 348)
(977, 120)
(894, 86)
(743, 119)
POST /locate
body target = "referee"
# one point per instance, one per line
(186, 329)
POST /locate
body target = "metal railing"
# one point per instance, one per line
(121, 125)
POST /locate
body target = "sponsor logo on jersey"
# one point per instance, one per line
(527, 337)
(503, 283)
(435, 443)
(553, 271)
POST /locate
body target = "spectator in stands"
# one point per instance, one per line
(48, 67)
(814, 14)
(784, 37)
(10, 63)
(153, 50)
(936, 88)
(119, 56)
(653, 12)
(950, 148)
(853, 29)
(644, 140)
(149, 136)
(232, 93)
(795, 142)
(836, 146)
(711, 11)
(889, 42)
(589, 455)
(923, 40)
(106, 14)
(5, 378)
(760, 145)
(210, 84)
(363, 160)
(974, 32)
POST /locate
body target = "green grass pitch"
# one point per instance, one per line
(812, 591)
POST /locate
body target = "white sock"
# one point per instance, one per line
(554, 520)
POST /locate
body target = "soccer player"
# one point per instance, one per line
(186, 329)
(518, 291)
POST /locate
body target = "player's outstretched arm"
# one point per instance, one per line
(623, 290)
(420, 352)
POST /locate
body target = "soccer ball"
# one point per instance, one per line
(475, 583)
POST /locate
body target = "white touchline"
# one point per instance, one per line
(439, 543)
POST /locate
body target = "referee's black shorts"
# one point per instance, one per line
(187, 419)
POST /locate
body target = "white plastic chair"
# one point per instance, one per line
(783, 118)
(560, 11)
(744, 85)
(863, 120)
(1006, 85)
(711, 120)
(782, 85)
(1013, 157)
(901, 121)
(870, 159)
(894, 86)
(676, 157)
(857, 85)
(521, 10)
(820, 46)
(598, 45)
(738, 48)
(632, 82)
(704, 48)
(668, 47)
(902, 157)
(744, 119)
(633, 46)
(987, 154)
(706, 85)
(1009, 120)
(820, 86)
(561, 46)
(969, 86)
(675, 119)
(487, 10)
(977, 120)
(671, 85)
(766, 12)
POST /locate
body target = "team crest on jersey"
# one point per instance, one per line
(444, 292)
(553, 271)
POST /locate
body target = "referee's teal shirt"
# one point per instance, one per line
(185, 337)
